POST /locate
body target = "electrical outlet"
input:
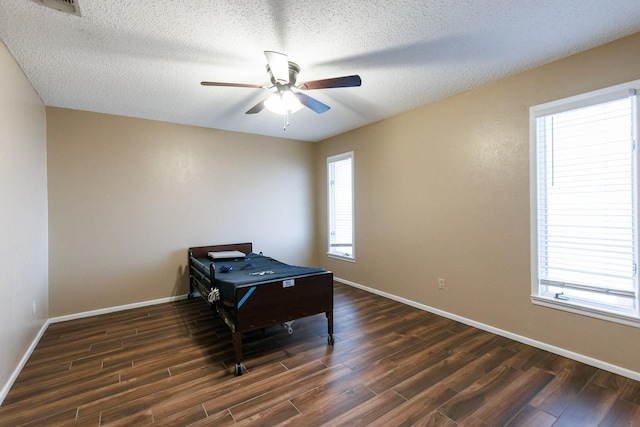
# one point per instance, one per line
(441, 283)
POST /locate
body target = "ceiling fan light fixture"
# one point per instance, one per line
(283, 102)
(284, 76)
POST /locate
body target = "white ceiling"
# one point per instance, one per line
(146, 59)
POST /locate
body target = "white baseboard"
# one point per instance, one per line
(538, 344)
(36, 340)
(23, 361)
(115, 309)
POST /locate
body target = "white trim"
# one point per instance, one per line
(592, 98)
(343, 258)
(84, 314)
(330, 160)
(538, 344)
(533, 202)
(598, 96)
(23, 361)
(556, 350)
(585, 311)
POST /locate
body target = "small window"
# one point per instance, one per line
(584, 190)
(340, 213)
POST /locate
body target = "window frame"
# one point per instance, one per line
(330, 161)
(628, 317)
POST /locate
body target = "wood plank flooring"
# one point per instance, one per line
(392, 365)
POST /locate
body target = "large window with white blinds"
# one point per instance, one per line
(584, 192)
(340, 209)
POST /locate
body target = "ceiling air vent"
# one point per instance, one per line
(67, 6)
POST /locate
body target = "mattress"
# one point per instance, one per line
(249, 270)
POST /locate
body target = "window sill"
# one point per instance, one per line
(629, 320)
(341, 257)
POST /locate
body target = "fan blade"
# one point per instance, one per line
(231, 84)
(256, 108)
(279, 65)
(346, 81)
(312, 103)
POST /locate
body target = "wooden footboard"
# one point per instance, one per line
(267, 303)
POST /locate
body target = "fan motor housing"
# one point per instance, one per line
(294, 69)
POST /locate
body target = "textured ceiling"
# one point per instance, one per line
(146, 58)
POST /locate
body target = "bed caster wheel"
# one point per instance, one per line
(238, 369)
(287, 327)
(330, 340)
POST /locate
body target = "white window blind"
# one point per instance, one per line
(586, 212)
(340, 212)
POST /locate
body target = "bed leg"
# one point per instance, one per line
(330, 339)
(237, 349)
(193, 291)
(190, 294)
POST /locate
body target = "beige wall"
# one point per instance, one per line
(445, 188)
(446, 185)
(23, 217)
(127, 197)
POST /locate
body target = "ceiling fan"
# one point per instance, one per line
(288, 97)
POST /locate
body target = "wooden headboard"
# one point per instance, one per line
(202, 251)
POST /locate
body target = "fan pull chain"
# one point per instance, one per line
(285, 117)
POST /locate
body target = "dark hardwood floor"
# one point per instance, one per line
(392, 365)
